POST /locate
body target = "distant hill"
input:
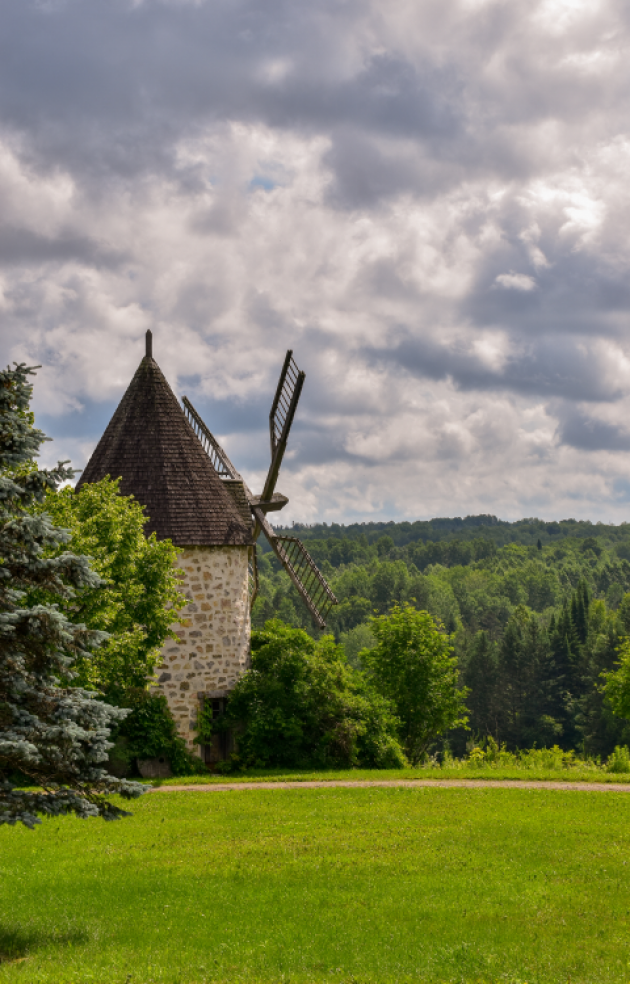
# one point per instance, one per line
(525, 531)
(447, 541)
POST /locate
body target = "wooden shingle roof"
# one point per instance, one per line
(152, 448)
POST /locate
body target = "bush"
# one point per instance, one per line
(619, 761)
(150, 732)
(302, 705)
(490, 755)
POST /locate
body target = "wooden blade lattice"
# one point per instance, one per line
(284, 403)
(220, 461)
(252, 575)
(305, 574)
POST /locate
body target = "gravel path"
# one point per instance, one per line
(224, 787)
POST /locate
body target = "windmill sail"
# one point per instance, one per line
(285, 401)
(290, 551)
(307, 577)
(301, 568)
(222, 464)
(252, 573)
(281, 417)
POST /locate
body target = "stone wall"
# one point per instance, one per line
(214, 633)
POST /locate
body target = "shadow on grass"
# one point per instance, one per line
(17, 943)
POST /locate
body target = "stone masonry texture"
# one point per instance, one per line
(213, 647)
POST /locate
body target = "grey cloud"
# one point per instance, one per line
(586, 433)
(322, 445)
(144, 75)
(20, 246)
(576, 295)
(365, 172)
(109, 86)
(551, 368)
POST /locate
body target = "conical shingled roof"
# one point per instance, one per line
(152, 448)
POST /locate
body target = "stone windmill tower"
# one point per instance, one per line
(166, 457)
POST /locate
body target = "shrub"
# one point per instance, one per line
(619, 761)
(149, 732)
(302, 705)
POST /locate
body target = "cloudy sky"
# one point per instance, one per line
(428, 200)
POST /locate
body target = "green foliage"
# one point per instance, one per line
(484, 760)
(56, 736)
(411, 666)
(136, 603)
(617, 683)
(552, 618)
(150, 732)
(481, 678)
(301, 704)
(490, 755)
(138, 598)
(354, 641)
(619, 761)
(360, 540)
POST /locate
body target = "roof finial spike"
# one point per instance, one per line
(149, 337)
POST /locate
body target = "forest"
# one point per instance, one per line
(536, 612)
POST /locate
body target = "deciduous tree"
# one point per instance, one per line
(412, 666)
(137, 599)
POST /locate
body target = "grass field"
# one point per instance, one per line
(328, 775)
(352, 885)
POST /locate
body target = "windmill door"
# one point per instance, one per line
(222, 742)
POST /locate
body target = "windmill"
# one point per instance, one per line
(290, 551)
(167, 458)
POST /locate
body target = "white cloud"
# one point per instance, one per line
(515, 281)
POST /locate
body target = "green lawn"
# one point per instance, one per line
(516, 772)
(352, 885)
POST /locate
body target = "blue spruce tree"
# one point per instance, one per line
(54, 736)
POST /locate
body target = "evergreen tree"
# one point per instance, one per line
(623, 615)
(542, 724)
(514, 672)
(565, 646)
(528, 684)
(599, 728)
(481, 677)
(55, 736)
(579, 612)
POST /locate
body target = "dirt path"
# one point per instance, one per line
(224, 787)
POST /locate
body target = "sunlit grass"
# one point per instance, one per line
(353, 885)
(537, 764)
(382, 775)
